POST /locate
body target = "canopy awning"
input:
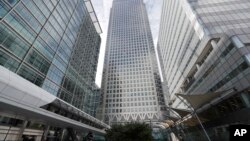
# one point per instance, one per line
(21, 98)
(191, 122)
(181, 112)
(199, 100)
(174, 119)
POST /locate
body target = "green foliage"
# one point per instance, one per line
(129, 132)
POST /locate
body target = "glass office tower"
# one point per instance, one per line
(131, 84)
(54, 44)
(204, 46)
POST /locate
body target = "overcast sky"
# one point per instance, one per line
(102, 9)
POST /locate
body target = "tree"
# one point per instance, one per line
(129, 132)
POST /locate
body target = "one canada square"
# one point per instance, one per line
(131, 84)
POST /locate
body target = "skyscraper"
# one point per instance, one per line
(54, 44)
(131, 84)
(204, 46)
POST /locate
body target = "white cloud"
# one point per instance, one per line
(102, 8)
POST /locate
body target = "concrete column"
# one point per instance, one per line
(45, 133)
(64, 135)
(20, 134)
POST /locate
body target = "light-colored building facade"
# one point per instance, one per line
(205, 48)
(205, 45)
(131, 84)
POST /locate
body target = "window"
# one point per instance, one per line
(38, 62)
(3, 9)
(13, 43)
(8, 62)
(31, 75)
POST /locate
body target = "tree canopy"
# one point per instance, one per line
(129, 132)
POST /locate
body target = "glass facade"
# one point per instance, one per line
(54, 45)
(204, 46)
(131, 84)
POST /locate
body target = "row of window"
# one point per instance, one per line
(130, 94)
(117, 73)
(128, 99)
(131, 81)
(130, 89)
(121, 59)
(139, 109)
(130, 85)
(213, 66)
(243, 66)
(123, 105)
